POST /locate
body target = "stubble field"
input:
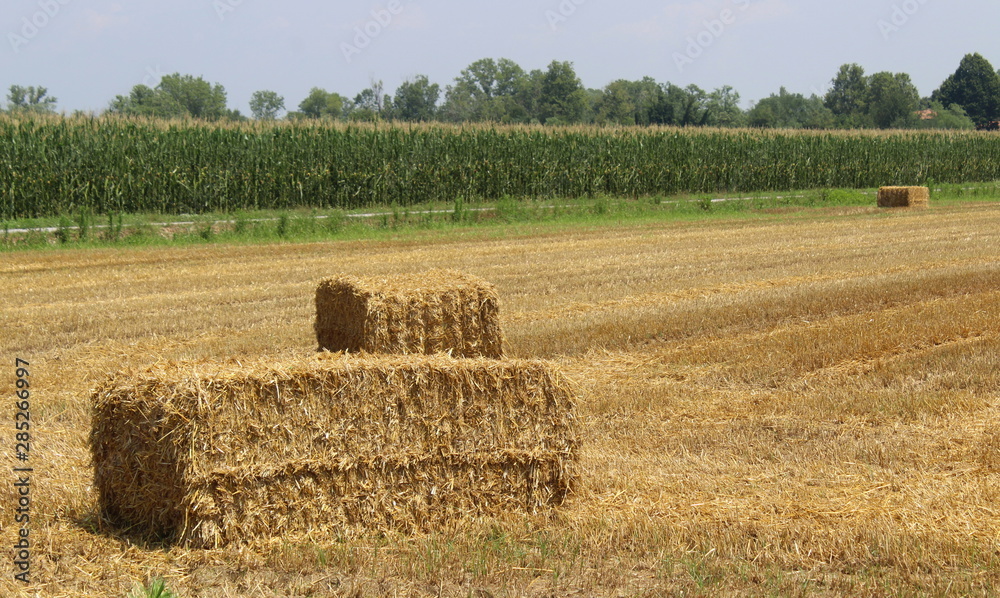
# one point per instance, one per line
(802, 403)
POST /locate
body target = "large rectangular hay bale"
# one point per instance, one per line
(208, 454)
(438, 311)
(904, 197)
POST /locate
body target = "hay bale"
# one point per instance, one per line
(904, 197)
(208, 454)
(439, 311)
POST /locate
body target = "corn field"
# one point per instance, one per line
(53, 165)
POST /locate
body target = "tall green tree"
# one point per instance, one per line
(848, 96)
(975, 86)
(176, 96)
(616, 105)
(487, 90)
(652, 103)
(30, 99)
(892, 99)
(791, 111)
(322, 104)
(683, 106)
(370, 103)
(646, 102)
(530, 95)
(416, 100)
(724, 108)
(648, 97)
(146, 101)
(881, 100)
(199, 98)
(562, 99)
(266, 105)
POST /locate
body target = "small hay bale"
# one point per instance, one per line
(208, 454)
(904, 197)
(439, 311)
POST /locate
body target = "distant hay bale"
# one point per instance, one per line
(904, 197)
(207, 454)
(438, 311)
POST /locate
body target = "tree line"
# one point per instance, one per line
(501, 91)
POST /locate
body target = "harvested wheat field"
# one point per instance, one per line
(801, 403)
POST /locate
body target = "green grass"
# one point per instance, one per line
(157, 588)
(507, 216)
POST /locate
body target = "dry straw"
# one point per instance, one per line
(438, 311)
(207, 454)
(904, 197)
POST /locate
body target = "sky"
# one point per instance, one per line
(86, 52)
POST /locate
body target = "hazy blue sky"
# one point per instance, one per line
(86, 52)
